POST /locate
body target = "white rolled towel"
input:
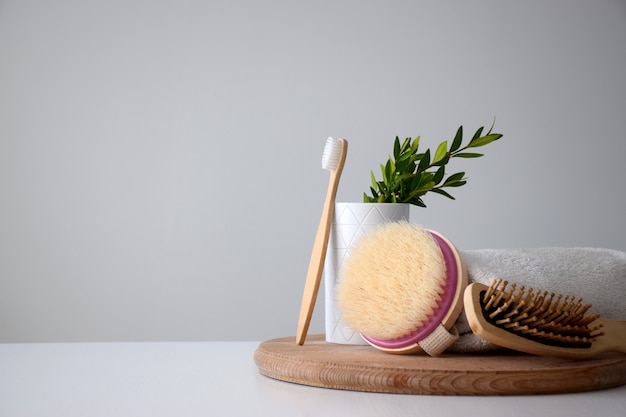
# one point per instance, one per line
(597, 275)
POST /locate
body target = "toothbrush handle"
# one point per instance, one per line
(318, 256)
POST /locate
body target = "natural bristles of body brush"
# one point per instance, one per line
(399, 285)
(540, 323)
(333, 159)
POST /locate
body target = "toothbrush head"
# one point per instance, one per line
(332, 153)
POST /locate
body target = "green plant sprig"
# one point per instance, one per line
(409, 175)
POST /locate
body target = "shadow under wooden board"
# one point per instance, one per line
(363, 368)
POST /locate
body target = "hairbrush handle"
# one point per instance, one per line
(614, 337)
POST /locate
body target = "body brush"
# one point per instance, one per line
(401, 289)
(540, 323)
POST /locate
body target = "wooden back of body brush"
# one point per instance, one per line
(402, 288)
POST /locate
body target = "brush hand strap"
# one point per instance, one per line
(438, 341)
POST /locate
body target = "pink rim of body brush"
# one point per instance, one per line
(452, 281)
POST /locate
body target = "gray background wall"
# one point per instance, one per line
(160, 174)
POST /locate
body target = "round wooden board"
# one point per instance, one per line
(363, 368)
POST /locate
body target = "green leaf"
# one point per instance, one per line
(441, 152)
(469, 155)
(406, 145)
(426, 178)
(404, 156)
(417, 178)
(454, 178)
(405, 177)
(396, 148)
(400, 166)
(424, 162)
(422, 190)
(442, 192)
(456, 143)
(444, 161)
(415, 145)
(484, 140)
(456, 184)
(439, 174)
(387, 172)
(416, 201)
(479, 132)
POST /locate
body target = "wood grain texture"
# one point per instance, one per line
(363, 368)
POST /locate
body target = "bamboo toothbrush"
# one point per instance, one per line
(540, 323)
(333, 159)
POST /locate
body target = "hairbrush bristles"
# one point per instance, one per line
(539, 322)
(538, 315)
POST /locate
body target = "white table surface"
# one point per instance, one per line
(221, 379)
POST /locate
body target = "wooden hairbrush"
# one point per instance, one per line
(540, 323)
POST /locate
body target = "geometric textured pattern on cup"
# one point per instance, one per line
(350, 222)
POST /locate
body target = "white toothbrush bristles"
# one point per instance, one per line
(332, 153)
